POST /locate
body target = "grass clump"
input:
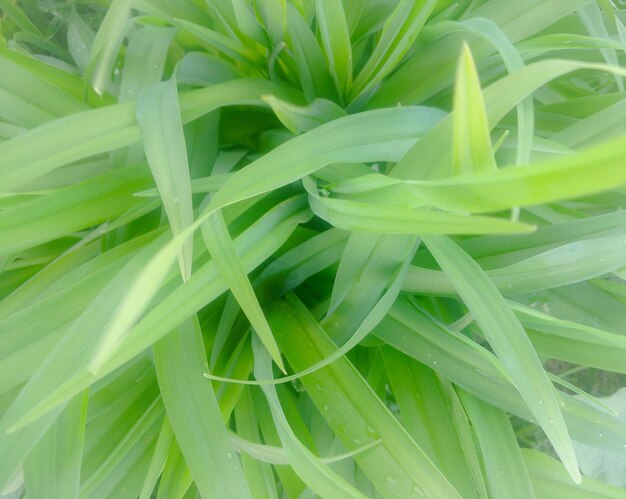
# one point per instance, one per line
(299, 248)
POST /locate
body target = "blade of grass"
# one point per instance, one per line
(354, 412)
(273, 13)
(549, 478)
(472, 151)
(300, 119)
(219, 243)
(335, 37)
(563, 265)
(52, 468)
(359, 216)
(176, 478)
(80, 39)
(517, 22)
(66, 370)
(478, 371)
(320, 478)
(159, 457)
(70, 209)
(506, 472)
(194, 414)
(513, 347)
(92, 132)
(431, 157)
(399, 32)
(259, 474)
(425, 413)
(594, 170)
(158, 117)
(106, 45)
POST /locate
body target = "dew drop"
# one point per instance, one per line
(229, 455)
(325, 408)
(371, 432)
(600, 435)
(541, 402)
(318, 387)
(390, 481)
(357, 441)
(418, 491)
(176, 200)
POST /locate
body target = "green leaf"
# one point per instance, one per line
(220, 245)
(106, 45)
(191, 406)
(517, 21)
(223, 43)
(273, 13)
(472, 143)
(309, 59)
(351, 408)
(358, 216)
(300, 119)
(92, 132)
(66, 370)
(158, 116)
(567, 264)
(397, 36)
(594, 170)
(335, 37)
(70, 209)
(52, 468)
(455, 356)
(427, 416)
(80, 38)
(159, 457)
(431, 157)
(20, 18)
(319, 477)
(550, 479)
(373, 136)
(509, 341)
(506, 472)
(176, 478)
(259, 474)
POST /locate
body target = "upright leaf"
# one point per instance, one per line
(158, 116)
(506, 471)
(106, 45)
(336, 41)
(52, 469)
(398, 34)
(191, 406)
(472, 151)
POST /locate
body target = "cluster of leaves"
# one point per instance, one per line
(298, 248)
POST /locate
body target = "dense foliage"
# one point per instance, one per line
(300, 248)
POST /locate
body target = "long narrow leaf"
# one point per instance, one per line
(509, 341)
